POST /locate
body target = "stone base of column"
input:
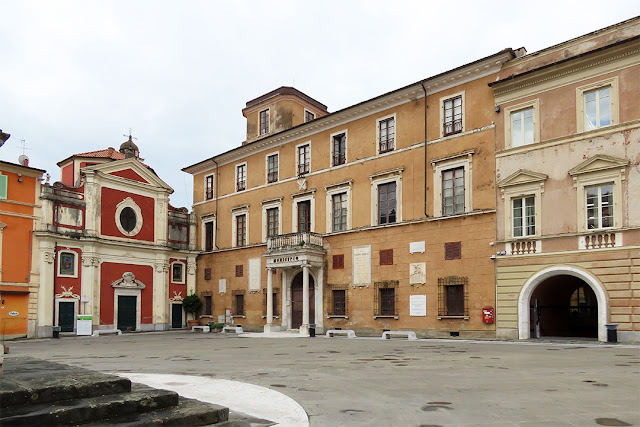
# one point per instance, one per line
(304, 330)
(271, 328)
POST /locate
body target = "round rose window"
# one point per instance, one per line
(128, 219)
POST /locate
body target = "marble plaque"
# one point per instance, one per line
(417, 305)
(417, 273)
(222, 286)
(254, 274)
(361, 265)
(416, 247)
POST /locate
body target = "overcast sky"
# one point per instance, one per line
(76, 75)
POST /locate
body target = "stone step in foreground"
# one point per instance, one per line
(36, 392)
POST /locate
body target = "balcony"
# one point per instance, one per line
(524, 247)
(294, 250)
(600, 240)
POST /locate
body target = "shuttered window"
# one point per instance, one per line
(239, 270)
(386, 257)
(4, 183)
(207, 273)
(338, 261)
(453, 250)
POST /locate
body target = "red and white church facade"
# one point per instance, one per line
(111, 246)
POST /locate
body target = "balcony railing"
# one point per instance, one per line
(294, 240)
(524, 247)
(600, 240)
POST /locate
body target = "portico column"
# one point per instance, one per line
(304, 329)
(269, 296)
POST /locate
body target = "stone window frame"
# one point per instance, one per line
(580, 100)
(395, 132)
(76, 259)
(346, 145)
(440, 165)
(385, 177)
(377, 303)
(441, 102)
(183, 275)
(508, 136)
(271, 204)
(533, 185)
(307, 196)
(334, 189)
(129, 203)
(235, 213)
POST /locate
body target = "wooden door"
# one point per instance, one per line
(127, 306)
(296, 301)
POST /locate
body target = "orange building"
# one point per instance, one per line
(19, 210)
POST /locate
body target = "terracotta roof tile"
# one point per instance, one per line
(109, 153)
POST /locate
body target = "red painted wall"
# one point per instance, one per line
(110, 198)
(109, 273)
(177, 288)
(129, 174)
(69, 282)
(67, 174)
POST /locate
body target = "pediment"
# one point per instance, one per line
(597, 163)
(522, 176)
(131, 168)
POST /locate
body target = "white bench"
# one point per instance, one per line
(234, 329)
(348, 332)
(411, 336)
(200, 328)
(97, 332)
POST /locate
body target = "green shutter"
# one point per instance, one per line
(4, 182)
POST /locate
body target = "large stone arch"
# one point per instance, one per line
(524, 300)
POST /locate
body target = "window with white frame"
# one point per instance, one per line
(452, 184)
(272, 222)
(272, 168)
(241, 230)
(338, 206)
(597, 104)
(241, 177)
(386, 196)
(271, 218)
(67, 263)
(524, 216)
(240, 226)
(339, 148)
(208, 187)
(452, 115)
(522, 124)
(304, 159)
(599, 204)
(208, 227)
(264, 122)
(339, 211)
(386, 134)
(308, 116)
(303, 209)
(177, 272)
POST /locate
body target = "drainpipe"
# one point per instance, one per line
(425, 149)
(215, 239)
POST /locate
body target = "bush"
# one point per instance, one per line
(191, 303)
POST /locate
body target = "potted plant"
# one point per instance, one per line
(217, 327)
(191, 304)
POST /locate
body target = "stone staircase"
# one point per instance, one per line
(35, 392)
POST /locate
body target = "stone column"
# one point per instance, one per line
(46, 291)
(304, 328)
(269, 326)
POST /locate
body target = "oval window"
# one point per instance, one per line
(128, 219)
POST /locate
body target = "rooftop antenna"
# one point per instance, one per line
(24, 145)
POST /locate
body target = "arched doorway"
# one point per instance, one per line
(564, 306)
(563, 301)
(296, 301)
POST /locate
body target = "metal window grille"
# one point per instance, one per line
(387, 134)
(453, 250)
(239, 270)
(337, 300)
(385, 298)
(453, 296)
(338, 261)
(339, 149)
(452, 116)
(272, 168)
(209, 187)
(387, 203)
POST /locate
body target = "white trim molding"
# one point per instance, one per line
(129, 203)
(440, 165)
(385, 177)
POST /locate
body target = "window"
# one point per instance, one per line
(239, 270)
(338, 261)
(522, 127)
(453, 191)
(208, 187)
(452, 296)
(339, 299)
(524, 216)
(304, 216)
(238, 303)
(452, 250)
(386, 257)
(177, 272)
(272, 222)
(386, 134)
(599, 206)
(241, 230)
(339, 149)
(4, 184)
(241, 177)
(597, 108)
(452, 115)
(339, 211)
(67, 264)
(208, 305)
(385, 298)
(207, 273)
(208, 236)
(272, 168)
(304, 159)
(387, 203)
(308, 116)
(264, 122)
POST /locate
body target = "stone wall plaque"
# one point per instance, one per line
(222, 286)
(417, 273)
(416, 247)
(254, 274)
(361, 265)
(417, 305)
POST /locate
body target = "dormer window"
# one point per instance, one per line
(264, 122)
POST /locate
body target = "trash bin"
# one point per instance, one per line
(312, 330)
(56, 332)
(612, 332)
